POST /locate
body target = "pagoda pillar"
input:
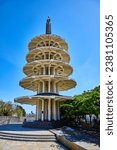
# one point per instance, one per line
(49, 69)
(42, 111)
(39, 114)
(54, 86)
(54, 110)
(43, 86)
(49, 109)
(58, 110)
(49, 86)
(38, 90)
(37, 110)
(44, 70)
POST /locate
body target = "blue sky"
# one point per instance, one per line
(77, 21)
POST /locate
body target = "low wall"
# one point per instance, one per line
(69, 144)
(13, 119)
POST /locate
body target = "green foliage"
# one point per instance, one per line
(5, 108)
(86, 103)
(20, 111)
(9, 109)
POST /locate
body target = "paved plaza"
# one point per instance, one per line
(20, 145)
(25, 145)
(83, 139)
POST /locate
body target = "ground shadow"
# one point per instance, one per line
(84, 136)
(16, 127)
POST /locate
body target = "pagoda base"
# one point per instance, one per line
(44, 124)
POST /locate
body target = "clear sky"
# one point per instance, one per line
(77, 21)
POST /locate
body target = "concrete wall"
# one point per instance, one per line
(13, 119)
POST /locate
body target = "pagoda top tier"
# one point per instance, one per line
(48, 39)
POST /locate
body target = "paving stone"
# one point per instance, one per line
(18, 145)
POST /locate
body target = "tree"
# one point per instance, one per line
(6, 109)
(87, 103)
(66, 110)
(19, 111)
(9, 109)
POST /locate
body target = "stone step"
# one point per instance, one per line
(26, 137)
(33, 137)
(22, 134)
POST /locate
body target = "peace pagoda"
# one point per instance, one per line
(47, 73)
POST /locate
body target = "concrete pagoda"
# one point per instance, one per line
(47, 72)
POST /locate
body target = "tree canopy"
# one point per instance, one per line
(87, 103)
(9, 109)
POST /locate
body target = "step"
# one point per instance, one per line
(27, 137)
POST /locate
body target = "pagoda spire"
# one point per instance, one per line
(48, 26)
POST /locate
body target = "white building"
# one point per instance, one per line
(47, 72)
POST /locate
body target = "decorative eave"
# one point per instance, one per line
(48, 37)
(28, 68)
(31, 83)
(33, 99)
(31, 54)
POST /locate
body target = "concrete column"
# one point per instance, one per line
(58, 110)
(44, 70)
(43, 86)
(54, 110)
(49, 53)
(40, 106)
(44, 56)
(49, 86)
(42, 111)
(54, 70)
(46, 110)
(37, 110)
(55, 86)
(36, 118)
(49, 69)
(49, 109)
(38, 90)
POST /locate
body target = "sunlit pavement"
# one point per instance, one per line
(25, 145)
(20, 145)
